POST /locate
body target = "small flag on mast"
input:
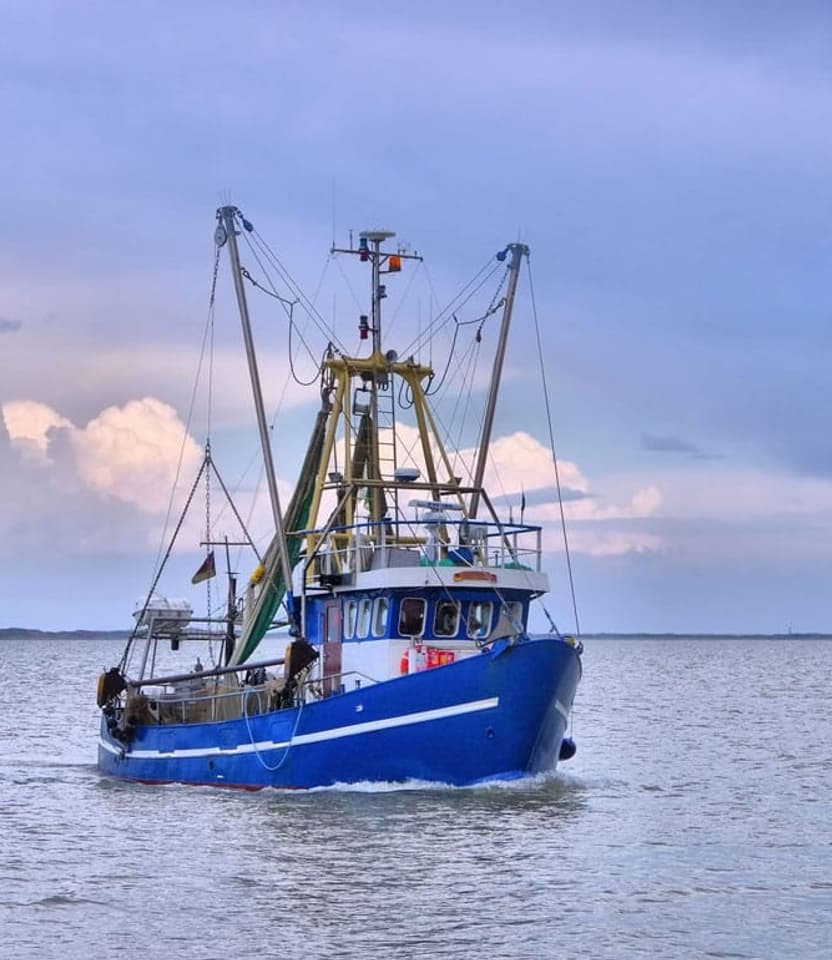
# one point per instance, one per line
(206, 571)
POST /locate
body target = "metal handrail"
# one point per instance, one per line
(213, 672)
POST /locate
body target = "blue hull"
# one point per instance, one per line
(499, 715)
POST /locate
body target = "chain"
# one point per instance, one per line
(494, 305)
(214, 278)
(208, 543)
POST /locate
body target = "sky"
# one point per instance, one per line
(669, 166)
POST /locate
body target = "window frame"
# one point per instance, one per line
(424, 605)
(486, 626)
(457, 612)
(376, 629)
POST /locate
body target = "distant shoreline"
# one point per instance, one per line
(28, 633)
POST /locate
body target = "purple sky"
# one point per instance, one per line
(669, 168)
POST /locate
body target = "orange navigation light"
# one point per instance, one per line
(394, 264)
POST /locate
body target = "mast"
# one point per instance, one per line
(369, 248)
(227, 232)
(518, 251)
(376, 237)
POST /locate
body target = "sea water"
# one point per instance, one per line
(695, 821)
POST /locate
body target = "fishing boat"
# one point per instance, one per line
(396, 594)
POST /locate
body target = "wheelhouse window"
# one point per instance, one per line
(412, 617)
(514, 610)
(480, 614)
(381, 608)
(350, 613)
(365, 606)
(446, 618)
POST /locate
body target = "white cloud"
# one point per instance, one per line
(599, 543)
(128, 453)
(645, 502)
(516, 462)
(28, 424)
(132, 453)
(519, 462)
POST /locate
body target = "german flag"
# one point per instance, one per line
(206, 571)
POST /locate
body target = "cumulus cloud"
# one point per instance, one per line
(132, 452)
(520, 463)
(29, 425)
(127, 453)
(516, 462)
(644, 502)
(599, 543)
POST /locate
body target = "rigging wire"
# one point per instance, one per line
(158, 574)
(208, 335)
(554, 454)
(455, 304)
(390, 322)
(288, 306)
(211, 317)
(358, 305)
(310, 308)
(493, 308)
(327, 261)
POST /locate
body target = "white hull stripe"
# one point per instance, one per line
(351, 730)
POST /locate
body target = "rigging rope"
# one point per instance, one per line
(207, 336)
(158, 575)
(305, 302)
(288, 306)
(456, 303)
(554, 455)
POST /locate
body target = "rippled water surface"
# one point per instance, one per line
(695, 821)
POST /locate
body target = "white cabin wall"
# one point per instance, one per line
(378, 659)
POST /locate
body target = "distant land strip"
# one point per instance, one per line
(25, 633)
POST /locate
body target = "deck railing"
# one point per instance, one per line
(339, 552)
(194, 698)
